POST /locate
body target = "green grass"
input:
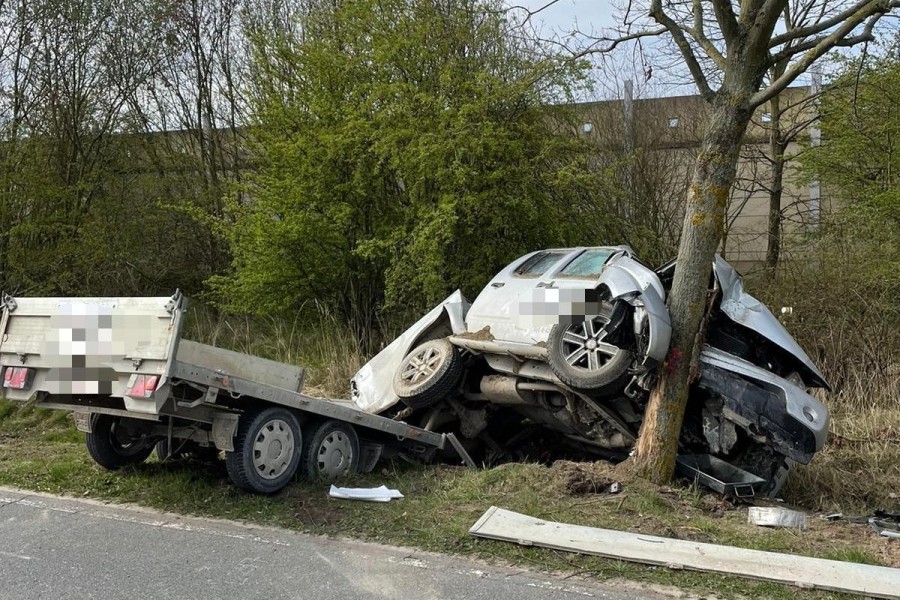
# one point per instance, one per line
(41, 451)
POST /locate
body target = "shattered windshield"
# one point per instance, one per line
(539, 263)
(588, 264)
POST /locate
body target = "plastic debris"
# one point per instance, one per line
(832, 516)
(379, 494)
(775, 516)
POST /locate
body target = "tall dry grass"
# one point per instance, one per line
(851, 329)
(314, 339)
(859, 468)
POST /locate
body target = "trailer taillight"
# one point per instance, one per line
(18, 378)
(142, 386)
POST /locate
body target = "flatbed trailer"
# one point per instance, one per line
(134, 384)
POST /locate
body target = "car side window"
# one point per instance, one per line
(538, 264)
(587, 265)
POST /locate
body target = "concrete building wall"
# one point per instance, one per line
(672, 126)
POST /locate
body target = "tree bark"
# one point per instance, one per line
(704, 220)
(776, 151)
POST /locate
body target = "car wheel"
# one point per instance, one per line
(582, 358)
(428, 374)
(266, 450)
(112, 446)
(331, 451)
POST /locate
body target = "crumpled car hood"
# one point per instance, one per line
(744, 309)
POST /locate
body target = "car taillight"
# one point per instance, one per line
(142, 386)
(18, 378)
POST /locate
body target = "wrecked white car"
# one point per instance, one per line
(566, 343)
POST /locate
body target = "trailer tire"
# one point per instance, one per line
(110, 448)
(330, 451)
(440, 369)
(266, 452)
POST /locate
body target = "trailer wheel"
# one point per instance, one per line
(428, 374)
(331, 451)
(112, 446)
(266, 450)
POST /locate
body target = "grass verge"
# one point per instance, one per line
(42, 451)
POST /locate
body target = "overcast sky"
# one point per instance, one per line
(598, 17)
(568, 15)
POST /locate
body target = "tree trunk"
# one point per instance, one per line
(704, 219)
(776, 152)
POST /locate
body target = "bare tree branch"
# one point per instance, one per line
(677, 33)
(799, 33)
(794, 50)
(727, 21)
(613, 42)
(871, 13)
(699, 35)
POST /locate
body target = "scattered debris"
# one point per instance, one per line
(801, 571)
(718, 475)
(885, 523)
(379, 494)
(832, 517)
(775, 516)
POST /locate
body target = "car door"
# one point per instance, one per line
(499, 305)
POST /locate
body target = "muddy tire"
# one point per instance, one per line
(330, 452)
(267, 449)
(112, 447)
(581, 358)
(428, 374)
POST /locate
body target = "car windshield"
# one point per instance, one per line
(588, 264)
(539, 263)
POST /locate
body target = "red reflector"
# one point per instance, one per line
(17, 378)
(142, 386)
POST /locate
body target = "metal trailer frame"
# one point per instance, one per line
(224, 385)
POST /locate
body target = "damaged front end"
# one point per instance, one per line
(770, 409)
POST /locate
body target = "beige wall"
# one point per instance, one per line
(673, 126)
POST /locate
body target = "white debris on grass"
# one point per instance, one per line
(379, 494)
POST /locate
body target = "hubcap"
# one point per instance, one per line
(422, 365)
(335, 455)
(273, 449)
(583, 345)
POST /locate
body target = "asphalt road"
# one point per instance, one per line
(52, 547)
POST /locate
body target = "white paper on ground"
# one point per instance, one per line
(379, 494)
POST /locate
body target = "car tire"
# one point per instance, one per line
(428, 374)
(267, 447)
(330, 452)
(600, 366)
(110, 449)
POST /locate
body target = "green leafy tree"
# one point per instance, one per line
(857, 258)
(404, 148)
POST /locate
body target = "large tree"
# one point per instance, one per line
(405, 147)
(740, 54)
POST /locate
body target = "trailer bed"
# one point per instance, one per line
(122, 366)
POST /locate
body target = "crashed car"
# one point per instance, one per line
(569, 341)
